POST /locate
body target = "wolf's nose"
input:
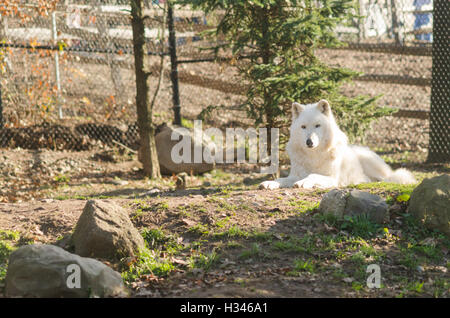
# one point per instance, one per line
(309, 143)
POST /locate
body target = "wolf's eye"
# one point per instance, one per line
(318, 125)
(303, 127)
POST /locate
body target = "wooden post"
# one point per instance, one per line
(439, 146)
(174, 66)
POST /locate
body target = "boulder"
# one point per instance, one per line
(164, 145)
(333, 202)
(104, 230)
(430, 203)
(353, 203)
(49, 271)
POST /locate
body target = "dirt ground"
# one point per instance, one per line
(221, 237)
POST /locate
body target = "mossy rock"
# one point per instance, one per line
(430, 203)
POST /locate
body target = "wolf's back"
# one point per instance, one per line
(376, 169)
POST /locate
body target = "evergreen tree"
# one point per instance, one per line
(280, 37)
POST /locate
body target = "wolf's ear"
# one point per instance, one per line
(324, 107)
(297, 109)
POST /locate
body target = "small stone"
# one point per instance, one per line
(120, 182)
(348, 279)
(197, 271)
(153, 191)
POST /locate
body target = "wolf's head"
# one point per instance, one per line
(313, 126)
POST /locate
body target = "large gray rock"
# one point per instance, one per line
(164, 145)
(430, 203)
(333, 202)
(104, 230)
(353, 203)
(50, 271)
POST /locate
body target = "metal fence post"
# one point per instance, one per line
(57, 74)
(395, 26)
(174, 66)
(439, 147)
(3, 27)
(361, 20)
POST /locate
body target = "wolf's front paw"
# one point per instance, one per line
(305, 184)
(315, 181)
(269, 185)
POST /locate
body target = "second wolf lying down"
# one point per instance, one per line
(321, 156)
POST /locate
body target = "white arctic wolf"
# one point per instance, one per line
(321, 156)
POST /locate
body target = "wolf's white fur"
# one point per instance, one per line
(321, 156)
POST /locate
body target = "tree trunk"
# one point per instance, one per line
(439, 147)
(266, 55)
(1, 108)
(147, 152)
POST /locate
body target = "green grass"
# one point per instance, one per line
(416, 232)
(294, 244)
(232, 232)
(358, 226)
(357, 286)
(187, 123)
(361, 226)
(302, 265)
(9, 235)
(440, 286)
(156, 239)
(148, 262)
(254, 252)
(302, 206)
(204, 261)
(8, 242)
(385, 186)
(5, 251)
(199, 229)
(61, 178)
(155, 258)
(413, 255)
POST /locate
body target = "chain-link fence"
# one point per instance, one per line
(68, 75)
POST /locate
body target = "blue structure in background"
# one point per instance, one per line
(422, 19)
